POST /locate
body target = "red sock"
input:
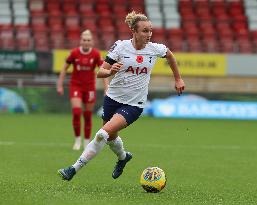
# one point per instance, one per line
(76, 113)
(87, 124)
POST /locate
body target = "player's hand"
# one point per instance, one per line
(116, 67)
(179, 85)
(60, 89)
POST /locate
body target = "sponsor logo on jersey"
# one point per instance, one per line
(137, 70)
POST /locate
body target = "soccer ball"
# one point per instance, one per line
(153, 179)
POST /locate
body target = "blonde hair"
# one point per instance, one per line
(132, 18)
(87, 33)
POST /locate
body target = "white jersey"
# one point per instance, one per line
(130, 84)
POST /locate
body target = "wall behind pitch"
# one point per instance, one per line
(242, 65)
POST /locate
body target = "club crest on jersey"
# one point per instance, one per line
(137, 70)
(140, 59)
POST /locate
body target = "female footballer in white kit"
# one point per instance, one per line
(131, 62)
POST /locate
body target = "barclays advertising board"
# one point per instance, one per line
(204, 109)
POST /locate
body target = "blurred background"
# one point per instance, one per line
(214, 42)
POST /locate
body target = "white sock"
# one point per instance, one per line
(117, 147)
(86, 142)
(77, 143)
(92, 149)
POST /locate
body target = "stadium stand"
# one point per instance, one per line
(226, 26)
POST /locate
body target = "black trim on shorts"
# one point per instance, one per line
(110, 60)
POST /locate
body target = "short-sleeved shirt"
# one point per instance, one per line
(84, 64)
(130, 84)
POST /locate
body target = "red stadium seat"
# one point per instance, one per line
(245, 46)
(73, 33)
(211, 45)
(72, 42)
(72, 21)
(57, 41)
(91, 27)
(195, 46)
(7, 44)
(24, 44)
(69, 7)
(7, 38)
(174, 32)
(159, 39)
(38, 21)
(83, 8)
(80, 2)
(52, 21)
(227, 45)
(41, 44)
(176, 45)
(124, 35)
(107, 39)
(186, 3)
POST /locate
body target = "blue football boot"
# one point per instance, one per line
(67, 173)
(118, 169)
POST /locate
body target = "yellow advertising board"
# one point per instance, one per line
(59, 59)
(195, 65)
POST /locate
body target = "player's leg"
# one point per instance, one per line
(76, 105)
(94, 147)
(116, 145)
(129, 114)
(115, 123)
(89, 103)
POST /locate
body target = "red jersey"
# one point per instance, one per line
(84, 64)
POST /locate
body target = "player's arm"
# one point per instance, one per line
(179, 83)
(108, 68)
(61, 78)
(105, 84)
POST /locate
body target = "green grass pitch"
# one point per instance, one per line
(206, 162)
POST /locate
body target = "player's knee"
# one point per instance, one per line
(77, 111)
(102, 135)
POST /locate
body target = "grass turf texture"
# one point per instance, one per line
(206, 162)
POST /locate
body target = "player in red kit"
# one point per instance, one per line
(82, 85)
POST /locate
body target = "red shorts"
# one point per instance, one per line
(87, 96)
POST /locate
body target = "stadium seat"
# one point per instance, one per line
(176, 44)
(7, 38)
(211, 46)
(194, 46)
(245, 46)
(185, 25)
(36, 6)
(41, 45)
(227, 45)
(72, 21)
(124, 35)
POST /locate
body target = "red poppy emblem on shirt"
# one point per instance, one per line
(140, 59)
